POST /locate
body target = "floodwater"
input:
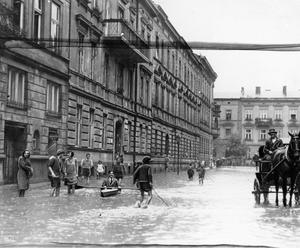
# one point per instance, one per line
(219, 213)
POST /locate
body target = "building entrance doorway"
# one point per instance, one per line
(15, 144)
(119, 138)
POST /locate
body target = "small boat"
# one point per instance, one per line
(105, 192)
(79, 186)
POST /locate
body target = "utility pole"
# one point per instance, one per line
(135, 86)
(178, 144)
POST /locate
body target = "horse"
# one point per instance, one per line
(285, 163)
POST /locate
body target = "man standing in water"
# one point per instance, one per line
(143, 176)
(55, 172)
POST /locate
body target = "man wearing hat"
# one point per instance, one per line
(272, 144)
(55, 172)
(111, 181)
(143, 176)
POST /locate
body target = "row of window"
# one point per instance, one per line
(188, 147)
(17, 95)
(189, 113)
(169, 58)
(164, 98)
(263, 133)
(17, 86)
(263, 114)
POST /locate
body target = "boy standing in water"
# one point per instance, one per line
(86, 165)
(143, 176)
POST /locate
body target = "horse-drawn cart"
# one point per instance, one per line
(264, 182)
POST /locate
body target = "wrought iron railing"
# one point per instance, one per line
(263, 122)
(120, 28)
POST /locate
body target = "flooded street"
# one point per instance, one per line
(222, 211)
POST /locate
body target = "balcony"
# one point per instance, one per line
(278, 123)
(293, 123)
(263, 123)
(248, 122)
(124, 42)
(216, 110)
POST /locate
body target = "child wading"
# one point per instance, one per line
(55, 172)
(100, 169)
(143, 177)
(190, 172)
(71, 172)
(86, 165)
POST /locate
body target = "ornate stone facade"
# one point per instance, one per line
(109, 77)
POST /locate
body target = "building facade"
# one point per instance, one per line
(34, 84)
(109, 77)
(252, 117)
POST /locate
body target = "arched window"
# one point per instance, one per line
(36, 141)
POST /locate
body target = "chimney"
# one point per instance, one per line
(242, 91)
(284, 91)
(257, 91)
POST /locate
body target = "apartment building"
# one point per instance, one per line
(109, 77)
(251, 118)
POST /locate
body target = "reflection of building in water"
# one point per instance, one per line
(251, 118)
(103, 77)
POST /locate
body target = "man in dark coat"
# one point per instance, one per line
(55, 173)
(25, 172)
(272, 144)
(143, 176)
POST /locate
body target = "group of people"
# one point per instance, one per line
(142, 178)
(199, 168)
(66, 168)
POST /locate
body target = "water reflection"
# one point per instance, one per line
(222, 211)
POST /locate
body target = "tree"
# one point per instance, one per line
(235, 148)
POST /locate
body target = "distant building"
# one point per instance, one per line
(250, 118)
(229, 123)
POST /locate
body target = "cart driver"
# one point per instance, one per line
(272, 144)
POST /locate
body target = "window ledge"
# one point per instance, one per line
(53, 114)
(17, 105)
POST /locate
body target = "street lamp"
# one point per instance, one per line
(178, 143)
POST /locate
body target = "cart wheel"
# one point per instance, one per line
(256, 191)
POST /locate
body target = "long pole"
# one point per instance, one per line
(178, 157)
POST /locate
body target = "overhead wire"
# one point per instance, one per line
(14, 42)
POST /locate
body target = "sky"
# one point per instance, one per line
(243, 21)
